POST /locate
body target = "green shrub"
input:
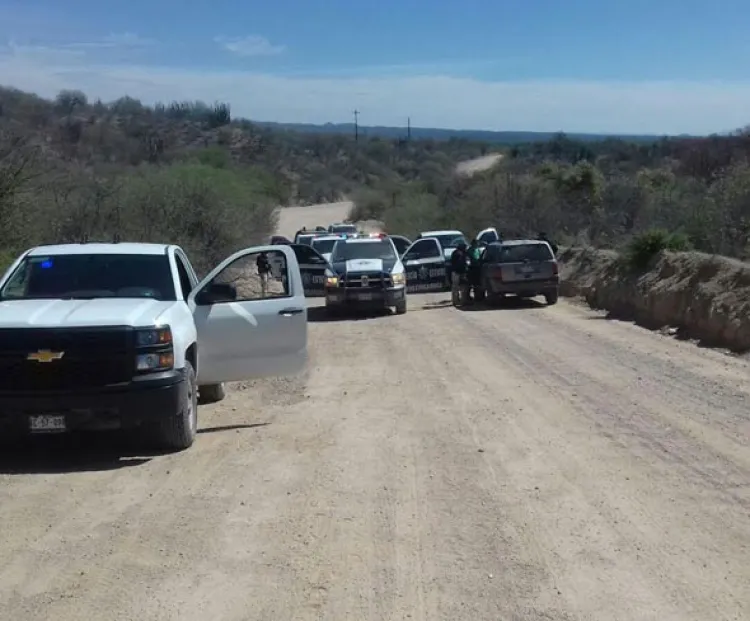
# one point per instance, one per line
(644, 247)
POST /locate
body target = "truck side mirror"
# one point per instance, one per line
(215, 293)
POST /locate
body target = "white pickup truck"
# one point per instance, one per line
(122, 336)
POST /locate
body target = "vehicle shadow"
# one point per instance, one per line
(318, 314)
(222, 428)
(509, 303)
(76, 452)
(436, 305)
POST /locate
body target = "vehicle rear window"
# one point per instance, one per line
(91, 276)
(523, 252)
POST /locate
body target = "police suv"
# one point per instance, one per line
(365, 272)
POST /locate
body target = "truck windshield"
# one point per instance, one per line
(323, 246)
(91, 276)
(380, 249)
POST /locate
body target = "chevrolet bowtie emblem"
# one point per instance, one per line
(45, 355)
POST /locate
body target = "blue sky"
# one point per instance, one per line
(664, 66)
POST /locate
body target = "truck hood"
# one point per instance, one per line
(99, 312)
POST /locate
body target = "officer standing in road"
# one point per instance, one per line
(543, 237)
(264, 268)
(458, 272)
(475, 255)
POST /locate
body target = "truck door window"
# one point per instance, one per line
(307, 255)
(256, 276)
(423, 249)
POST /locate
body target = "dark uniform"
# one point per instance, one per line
(458, 272)
(475, 254)
(264, 268)
(553, 245)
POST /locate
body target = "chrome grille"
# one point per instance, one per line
(370, 280)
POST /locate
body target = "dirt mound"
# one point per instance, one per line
(705, 297)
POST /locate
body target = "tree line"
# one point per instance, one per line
(672, 193)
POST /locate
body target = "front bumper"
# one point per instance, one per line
(125, 406)
(365, 297)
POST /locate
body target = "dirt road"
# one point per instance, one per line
(521, 464)
(294, 218)
(478, 164)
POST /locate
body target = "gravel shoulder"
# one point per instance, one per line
(519, 463)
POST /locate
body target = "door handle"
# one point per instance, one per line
(288, 312)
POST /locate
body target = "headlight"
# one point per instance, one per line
(153, 337)
(332, 281)
(398, 279)
(156, 350)
(163, 361)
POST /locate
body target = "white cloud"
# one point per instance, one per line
(430, 100)
(252, 45)
(115, 40)
(75, 52)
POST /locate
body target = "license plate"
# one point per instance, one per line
(47, 423)
(365, 296)
(527, 269)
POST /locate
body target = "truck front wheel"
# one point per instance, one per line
(177, 431)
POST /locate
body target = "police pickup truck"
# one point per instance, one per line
(125, 336)
(365, 272)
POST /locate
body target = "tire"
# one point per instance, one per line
(332, 311)
(479, 295)
(551, 298)
(401, 308)
(177, 432)
(211, 393)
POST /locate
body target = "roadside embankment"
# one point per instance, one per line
(705, 297)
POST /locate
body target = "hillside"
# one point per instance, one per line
(187, 172)
(507, 138)
(681, 193)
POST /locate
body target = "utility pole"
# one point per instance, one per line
(356, 125)
(408, 128)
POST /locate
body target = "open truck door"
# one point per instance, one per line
(249, 326)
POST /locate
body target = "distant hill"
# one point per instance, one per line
(432, 133)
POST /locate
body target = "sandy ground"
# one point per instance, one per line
(470, 167)
(534, 463)
(521, 463)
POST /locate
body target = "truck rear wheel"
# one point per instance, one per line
(177, 431)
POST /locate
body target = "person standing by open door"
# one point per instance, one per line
(264, 269)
